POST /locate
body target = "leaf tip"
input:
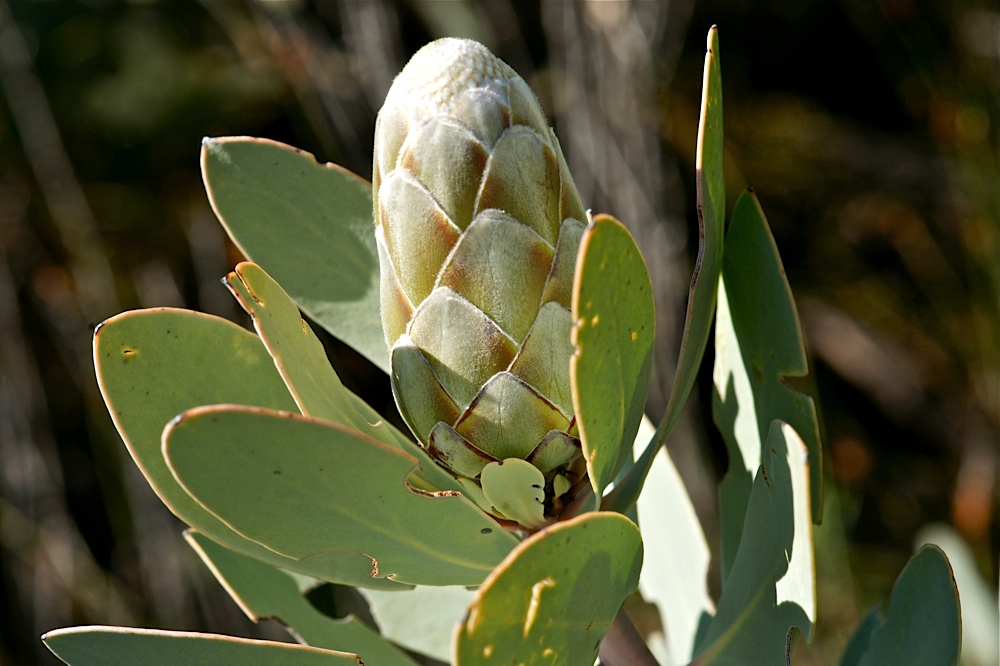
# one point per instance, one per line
(214, 146)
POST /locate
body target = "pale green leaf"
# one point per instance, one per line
(516, 489)
(422, 619)
(758, 343)
(771, 587)
(676, 561)
(307, 488)
(555, 596)
(614, 331)
(302, 363)
(309, 225)
(264, 592)
(154, 364)
(125, 646)
(924, 625)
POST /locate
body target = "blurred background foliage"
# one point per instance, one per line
(867, 128)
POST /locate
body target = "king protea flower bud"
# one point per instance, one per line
(478, 225)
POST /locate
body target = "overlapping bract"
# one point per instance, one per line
(478, 224)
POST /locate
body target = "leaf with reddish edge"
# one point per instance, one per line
(263, 592)
(613, 333)
(554, 597)
(309, 225)
(125, 646)
(306, 488)
(154, 364)
(301, 360)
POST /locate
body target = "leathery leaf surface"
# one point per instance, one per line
(516, 489)
(711, 195)
(125, 646)
(301, 360)
(154, 364)
(711, 223)
(305, 488)
(772, 586)
(422, 619)
(613, 332)
(924, 623)
(309, 225)
(758, 343)
(555, 596)
(264, 592)
(676, 560)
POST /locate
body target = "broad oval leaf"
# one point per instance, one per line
(263, 592)
(309, 225)
(555, 596)
(306, 488)
(772, 583)
(754, 353)
(154, 364)
(312, 381)
(125, 646)
(613, 333)
(924, 624)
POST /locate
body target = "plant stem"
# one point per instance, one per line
(623, 645)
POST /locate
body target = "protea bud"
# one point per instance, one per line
(478, 225)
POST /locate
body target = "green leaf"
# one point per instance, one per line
(313, 383)
(555, 596)
(516, 489)
(758, 342)
(924, 624)
(711, 194)
(855, 650)
(309, 225)
(676, 561)
(771, 586)
(615, 327)
(263, 592)
(125, 646)
(978, 596)
(422, 619)
(154, 364)
(306, 488)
